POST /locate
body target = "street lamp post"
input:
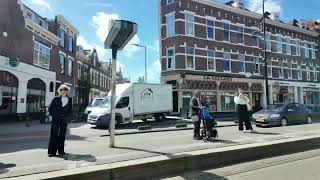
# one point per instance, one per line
(145, 60)
(265, 55)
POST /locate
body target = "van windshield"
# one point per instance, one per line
(96, 102)
(106, 103)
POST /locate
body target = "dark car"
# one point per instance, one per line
(283, 115)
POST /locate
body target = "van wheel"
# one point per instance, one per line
(160, 117)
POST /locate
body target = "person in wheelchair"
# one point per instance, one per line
(209, 131)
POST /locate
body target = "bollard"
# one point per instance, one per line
(27, 120)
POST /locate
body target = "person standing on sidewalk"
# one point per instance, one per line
(195, 106)
(60, 109)
(243, 107)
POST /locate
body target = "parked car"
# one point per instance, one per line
(134, 101)
(95, 102)
(283, 115)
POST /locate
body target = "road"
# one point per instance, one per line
(300, 166)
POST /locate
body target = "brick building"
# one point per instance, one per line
(216, 48)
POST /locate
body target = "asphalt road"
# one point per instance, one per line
(300, 166)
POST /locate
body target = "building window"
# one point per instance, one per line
(226, 62)
(62, 60)
(70, 43)
(269, 71)
(226, 32)
(170, 26)
(240, 35)
(170, 58)
(280, 70)
(279, 43)
(293, 47)
(315, 74)
(306, 51)
(29, 15)
(288, 46)
(290, 71)
(210, 29)
(70, 63)
(308, 73)
(299, 72)
(242, 63)
(41, 55)
(211, 61)
(227, 101)
(170, 2)
(268, 42)
(189, 24)
(298, 48)
(313, 51)
(256, 65)
(255, 38)
(190, 57)
(62, 37)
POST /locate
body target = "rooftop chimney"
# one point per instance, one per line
(239, 4)
(276, 16)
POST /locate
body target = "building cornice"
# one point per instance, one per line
(42, 32)
(66, 24)
(254, 15)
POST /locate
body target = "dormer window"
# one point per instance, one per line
(29, 15)
(170, 2)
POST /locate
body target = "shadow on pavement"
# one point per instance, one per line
(197, 175)
(80, 157)
(5, 167)
(263, 133)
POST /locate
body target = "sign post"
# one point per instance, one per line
(120, 33)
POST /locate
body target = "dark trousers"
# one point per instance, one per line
(244, 117)
(196, 130)
(57, 138)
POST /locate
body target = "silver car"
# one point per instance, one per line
(283, 115)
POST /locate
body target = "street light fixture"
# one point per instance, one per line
(120, 33)
(145, 60)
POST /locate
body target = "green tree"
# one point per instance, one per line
(140, 79)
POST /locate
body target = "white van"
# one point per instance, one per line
(95, 102)
(134, 101)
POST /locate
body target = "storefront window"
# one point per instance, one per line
(209, 99)
(36, 95)
(227, 102)
(8, 93)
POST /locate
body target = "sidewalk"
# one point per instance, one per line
(93, 150)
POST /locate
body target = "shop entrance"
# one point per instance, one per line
(36, 94)
(8, 93)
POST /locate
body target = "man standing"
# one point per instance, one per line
(195, 106)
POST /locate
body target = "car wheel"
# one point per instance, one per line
(309, 120)
(284, 122)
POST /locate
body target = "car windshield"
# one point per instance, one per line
(106, 103)
(277, 107)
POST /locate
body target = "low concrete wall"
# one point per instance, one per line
(164, 165)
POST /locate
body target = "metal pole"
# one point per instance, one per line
(113, 96)
(265, 55)
(145, 63)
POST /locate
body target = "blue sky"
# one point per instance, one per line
(90, 17)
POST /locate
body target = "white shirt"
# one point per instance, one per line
(241, 100)
(64, 100)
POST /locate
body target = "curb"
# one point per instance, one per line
(171, 164)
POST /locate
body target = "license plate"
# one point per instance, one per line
(259, 120)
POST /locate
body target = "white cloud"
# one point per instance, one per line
(154, 47)
(42, 3)
(98, 4)
(272, 6)
(84, 43)
(101, 23)
(130, 49)
(154, 72)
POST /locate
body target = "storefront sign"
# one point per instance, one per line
(218, 78)
(14, 62)
(207, 93)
